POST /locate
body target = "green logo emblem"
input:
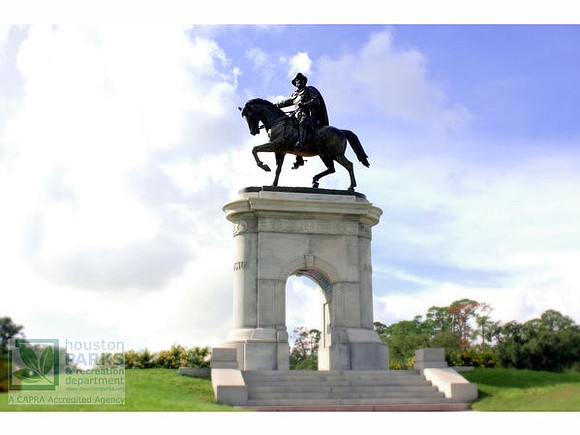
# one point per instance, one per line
(33, 364)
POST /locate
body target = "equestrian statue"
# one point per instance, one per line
(303, 133)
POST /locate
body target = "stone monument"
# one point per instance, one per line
(323, 234)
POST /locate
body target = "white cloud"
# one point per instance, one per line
(300, 62)
(389, 81)
(262, 63)
(104, 112)
(508, 238)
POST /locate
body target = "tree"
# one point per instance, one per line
(304, 353)
(452, 328)
(403, 338)
(487, 330)
(550, 342)
(8, 330)
(463, 312)
(438, 319)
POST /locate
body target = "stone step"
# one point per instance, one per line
(361, 394)
(334, 388)
(385, 383)
(342, 402)
(329, 375)
(383, 407)
(332, 377)
(341, 392)
(338, 390)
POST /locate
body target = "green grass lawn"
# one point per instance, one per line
(145, 390)
(525, 390)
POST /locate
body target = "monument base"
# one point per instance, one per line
(354, 349)
(268, 349)
(260, 348)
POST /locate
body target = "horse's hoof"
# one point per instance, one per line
(265, 167)
(351, 189)
(315, 184)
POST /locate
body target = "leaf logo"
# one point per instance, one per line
(36, 368)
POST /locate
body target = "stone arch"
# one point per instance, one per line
(313, 266)
(323, 274)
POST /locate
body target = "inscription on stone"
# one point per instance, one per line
(305, 226)
(240, 265)
(240, 227)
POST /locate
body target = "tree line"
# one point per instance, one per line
(471, 337)
(464, 329)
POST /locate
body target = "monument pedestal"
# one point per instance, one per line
(323, 234)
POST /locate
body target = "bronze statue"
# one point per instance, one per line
(310, 108)
(328, 142)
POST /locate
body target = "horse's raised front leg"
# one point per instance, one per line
(330, 170)
(266, 148)
(279, 163)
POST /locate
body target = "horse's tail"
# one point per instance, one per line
(356, 147)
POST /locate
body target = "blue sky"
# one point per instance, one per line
(118, 150)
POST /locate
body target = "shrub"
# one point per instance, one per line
(144, 359)
(169, 359)
(471, 357)
(402, 364)
(130, 359)
(197, 357)
(174, 358)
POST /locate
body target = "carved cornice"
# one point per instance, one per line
(303, 207)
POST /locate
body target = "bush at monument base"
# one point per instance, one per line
(174, 358)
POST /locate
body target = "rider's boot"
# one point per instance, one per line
(299, 162)
(302, 130)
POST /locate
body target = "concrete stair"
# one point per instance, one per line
(378, 390)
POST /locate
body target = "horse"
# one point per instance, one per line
(329, 143)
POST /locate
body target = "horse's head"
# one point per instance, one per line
(259, 110)
(253, 116)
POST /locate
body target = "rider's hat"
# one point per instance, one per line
(301, 77)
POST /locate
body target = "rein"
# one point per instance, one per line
(285, 117)
(278, 121)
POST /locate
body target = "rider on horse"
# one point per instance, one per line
(310, 108)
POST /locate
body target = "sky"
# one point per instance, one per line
(120, 144)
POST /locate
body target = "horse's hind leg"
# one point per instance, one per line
(329, 170)
(349, 167)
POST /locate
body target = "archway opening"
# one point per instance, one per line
(305, 306)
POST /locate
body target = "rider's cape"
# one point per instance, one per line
(319, 113)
